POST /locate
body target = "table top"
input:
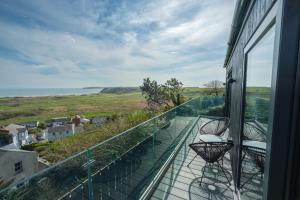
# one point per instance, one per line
(253, 143)
(211, 138)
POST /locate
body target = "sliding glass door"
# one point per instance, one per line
(257, 101)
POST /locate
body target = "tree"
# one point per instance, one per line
(214, 86)
(174, 90)
(154, 93)
(158, 95)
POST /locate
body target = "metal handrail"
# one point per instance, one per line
(152, 186)
(91, 148)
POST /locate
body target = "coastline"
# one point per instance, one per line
(49, 96)
(46, 92)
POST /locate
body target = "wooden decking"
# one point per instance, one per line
(182, 182)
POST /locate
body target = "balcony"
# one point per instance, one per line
(146, 161)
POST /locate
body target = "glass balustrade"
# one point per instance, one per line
(121, 167)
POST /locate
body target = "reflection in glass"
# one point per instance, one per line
(257, 103)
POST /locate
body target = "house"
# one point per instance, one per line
(19, 134)
(5, 137)
(98, 120)
(58, 121)
(84, 121)
(17, 164)
(59, 132)
(262, 87)
(33, 124)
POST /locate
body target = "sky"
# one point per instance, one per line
(80, 43)
(260, 61)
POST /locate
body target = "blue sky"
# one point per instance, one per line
(112, 43)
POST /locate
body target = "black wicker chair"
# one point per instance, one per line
(253, 132)
(215, 127)
(212, 152)
(258, 155)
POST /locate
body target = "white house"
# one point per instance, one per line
(59, 132)
(19, 134)
(17, 164)
(33, 124)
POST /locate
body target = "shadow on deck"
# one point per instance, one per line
(183, 182)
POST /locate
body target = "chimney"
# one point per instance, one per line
(76, 120)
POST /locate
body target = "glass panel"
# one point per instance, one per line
(121, 167)
(257, 106)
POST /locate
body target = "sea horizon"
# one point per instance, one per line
(43, 92)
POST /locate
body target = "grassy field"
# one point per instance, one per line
(22, 109)
(258, 91)
(131, 105)
(14, 110)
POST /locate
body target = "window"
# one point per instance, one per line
(258, 81)
(259, 65)
(18, 167)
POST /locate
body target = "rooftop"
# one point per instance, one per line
(15, 128)
(61, 128)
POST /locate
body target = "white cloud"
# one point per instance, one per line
(93, 44)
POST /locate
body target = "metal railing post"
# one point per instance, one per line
(154, 136)
(88, 165)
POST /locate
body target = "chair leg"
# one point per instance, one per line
(192, 160)
(243, 157)
(223, 172)
(248, 180)
(203, 171)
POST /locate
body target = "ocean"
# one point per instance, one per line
(35, 92)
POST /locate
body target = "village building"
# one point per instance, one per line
(98, 120)
(17, 164)
(19, 134)
(5, 137)
(32, 124)
(59, 132)
(58, 121)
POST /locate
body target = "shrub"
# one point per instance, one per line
(217, 111)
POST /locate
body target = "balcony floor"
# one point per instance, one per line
(253, 187)
(182, 182)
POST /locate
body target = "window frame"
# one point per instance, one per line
(18, 167)
(266, 25)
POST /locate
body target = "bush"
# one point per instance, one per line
(35, 146)
(217, 111)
